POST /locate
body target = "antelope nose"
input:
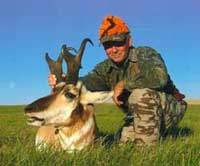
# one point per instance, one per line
(29, 108)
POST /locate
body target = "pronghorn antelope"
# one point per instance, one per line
(66, 116)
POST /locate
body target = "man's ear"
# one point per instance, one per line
(130, 41)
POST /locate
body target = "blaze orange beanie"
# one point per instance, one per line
(112, 25)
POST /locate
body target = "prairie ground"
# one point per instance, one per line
(181, 147)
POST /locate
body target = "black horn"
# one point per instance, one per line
(82, 48)
(73, 61)
(55, 67)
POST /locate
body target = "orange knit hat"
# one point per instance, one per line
(112, 26)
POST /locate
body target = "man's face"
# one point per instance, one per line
(117, 51)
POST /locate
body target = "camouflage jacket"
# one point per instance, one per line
(143, 68)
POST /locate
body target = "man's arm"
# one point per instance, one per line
(96, 80)
(151, 71)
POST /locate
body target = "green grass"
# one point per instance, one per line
(182, 147)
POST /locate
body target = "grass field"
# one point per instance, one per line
(180, 148)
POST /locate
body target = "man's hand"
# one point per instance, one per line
(118, 89)
(52, 80)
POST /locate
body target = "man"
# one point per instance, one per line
(140, 82)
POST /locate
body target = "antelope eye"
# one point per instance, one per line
(70, 95)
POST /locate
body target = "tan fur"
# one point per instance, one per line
(46, 134)
(49, 136)
(66, 118)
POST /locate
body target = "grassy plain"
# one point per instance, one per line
(180, 148)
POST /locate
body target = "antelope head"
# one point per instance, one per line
(68, 96)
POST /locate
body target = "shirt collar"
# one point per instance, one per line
(131, 57)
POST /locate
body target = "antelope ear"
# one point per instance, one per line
(79, 84)
(88, 97)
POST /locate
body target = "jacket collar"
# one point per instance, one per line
(131, 57)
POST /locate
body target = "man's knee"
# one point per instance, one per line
(144, 97)
(145, 105)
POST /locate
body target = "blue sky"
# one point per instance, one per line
(29, 28)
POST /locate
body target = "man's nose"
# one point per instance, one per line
(114, 49)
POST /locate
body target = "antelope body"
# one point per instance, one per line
(66, 116)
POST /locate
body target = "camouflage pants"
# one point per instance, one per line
(153, 113)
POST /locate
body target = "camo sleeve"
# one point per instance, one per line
(96, 79)
(148, 72)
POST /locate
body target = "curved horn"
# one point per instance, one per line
(73, 61)
(72, 66)
(65, 52)
(55, 67)
(82, 48)
(71, 48)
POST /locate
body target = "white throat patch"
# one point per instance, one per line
(67, 142)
